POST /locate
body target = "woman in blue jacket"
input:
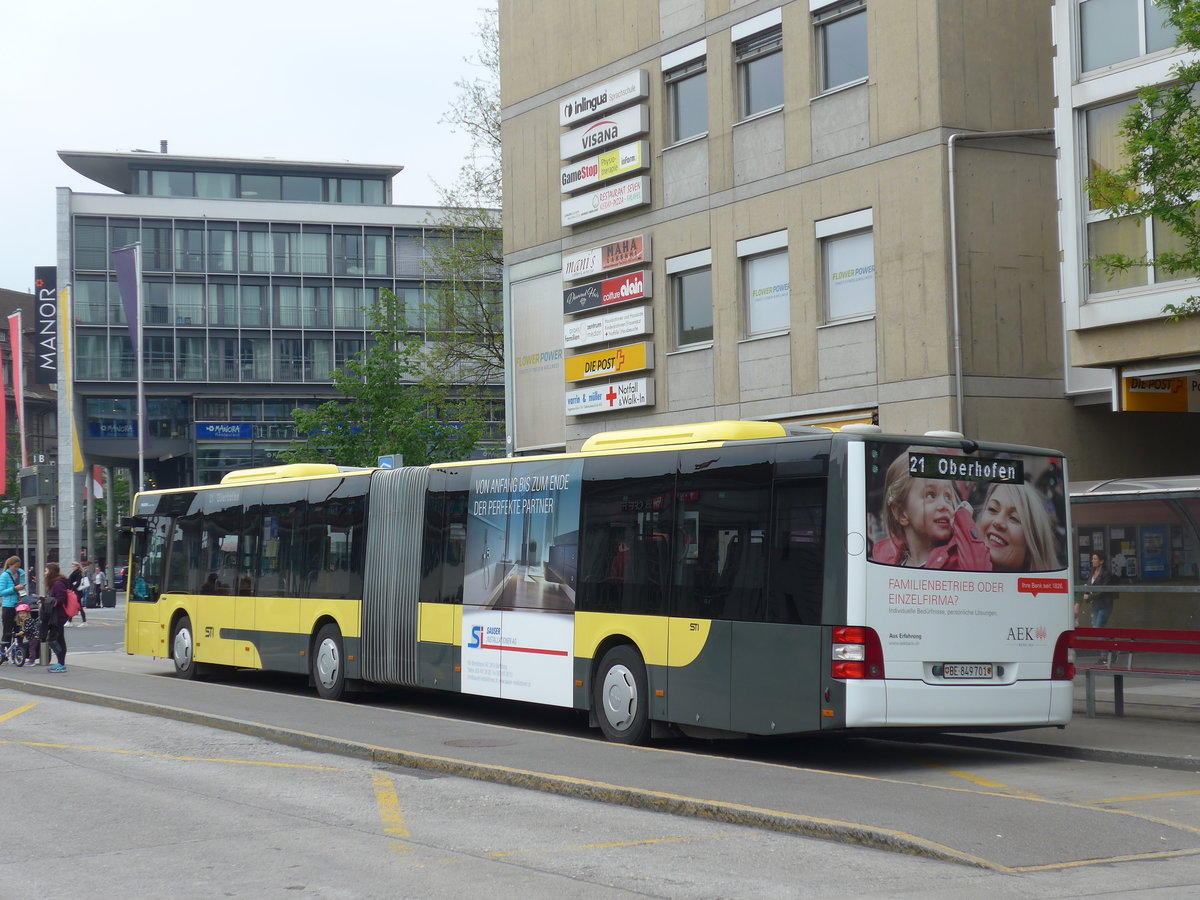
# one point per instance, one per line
(12, 582)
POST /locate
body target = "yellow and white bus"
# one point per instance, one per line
(726, 577)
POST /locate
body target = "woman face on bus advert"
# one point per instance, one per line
(1016, 529)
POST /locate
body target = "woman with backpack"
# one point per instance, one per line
(54, 614)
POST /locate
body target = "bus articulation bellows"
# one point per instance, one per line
(722, 578)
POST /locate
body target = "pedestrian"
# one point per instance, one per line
(12, 586)
(54, 616)
(29, 633)
(1102, 601)
(79, 583)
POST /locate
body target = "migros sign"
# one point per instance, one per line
(607, 363)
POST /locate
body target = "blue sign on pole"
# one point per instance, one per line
(387, 462)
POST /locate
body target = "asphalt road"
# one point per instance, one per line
(984, 807)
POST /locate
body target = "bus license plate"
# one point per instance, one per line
(966, 670)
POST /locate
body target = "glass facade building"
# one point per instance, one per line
(257, 279)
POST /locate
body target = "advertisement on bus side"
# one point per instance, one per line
(519, 585)
(967, 553)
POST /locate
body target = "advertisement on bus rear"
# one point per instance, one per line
(522, 554)
(967, 552)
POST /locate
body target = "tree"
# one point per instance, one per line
(1161, 175)
(393, 403)
(464, 317)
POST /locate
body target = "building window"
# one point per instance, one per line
(1112, 31)
(216, 185)
(765, 282)
(848, 264)
(220, 249)
(841, 31)
(758, 52)
(90, 249)
(686, 77)
(1139, 238)
(691, 297)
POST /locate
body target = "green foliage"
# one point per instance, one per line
(1161, 175)
(463, 311)
(394, 402)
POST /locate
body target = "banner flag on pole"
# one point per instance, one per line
(17, 348)
(98, 482)
(4, 425)
(125, 262)
(67, 362)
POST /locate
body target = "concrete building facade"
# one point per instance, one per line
(816, 212)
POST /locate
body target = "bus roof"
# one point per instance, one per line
(284, 472)
(1170, 485)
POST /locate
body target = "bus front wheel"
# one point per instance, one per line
(620, 697)
(328, 663)
(183, 648)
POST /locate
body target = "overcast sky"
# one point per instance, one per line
(350, 80)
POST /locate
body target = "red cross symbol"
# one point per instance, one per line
(611, 396)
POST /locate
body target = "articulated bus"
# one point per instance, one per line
(723, 578)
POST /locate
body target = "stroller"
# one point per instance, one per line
(26, 638)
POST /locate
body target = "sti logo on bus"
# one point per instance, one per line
(478, 636)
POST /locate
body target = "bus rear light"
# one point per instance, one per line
(1061, 666)
(856, 652)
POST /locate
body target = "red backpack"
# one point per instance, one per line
(71, 605)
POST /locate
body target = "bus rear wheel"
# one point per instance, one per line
(328, 664)
(183, 648)
(620, 696)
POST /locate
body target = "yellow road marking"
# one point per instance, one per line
(609, 846)
(16, 712)
(390, 814)
(1136, 797)
(984, 782)
(1166, 854)
(208, 759)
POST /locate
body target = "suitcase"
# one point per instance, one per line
(108, 598)
(92, 601)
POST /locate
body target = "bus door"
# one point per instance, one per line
(719, 554)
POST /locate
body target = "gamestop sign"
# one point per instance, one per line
(610, 164)
(607, 397)
(606, 201)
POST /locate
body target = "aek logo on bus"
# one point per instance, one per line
(1027, 633)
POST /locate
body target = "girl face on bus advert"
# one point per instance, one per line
(1001, 521)
(926, 515)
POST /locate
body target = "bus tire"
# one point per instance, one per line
(183, 648)
(620, 696)
(328, 663)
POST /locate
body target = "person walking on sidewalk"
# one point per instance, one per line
(80, 584)
(1102, 601)
(55, 615)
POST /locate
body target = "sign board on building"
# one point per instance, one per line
(596, 101)
(613, 129)
(45, 341)
(112, 430)
(618, 289)
(1172, 392)
(611, 396)
(633, 251)
(607, 363)
(224, 431)
(624, 160)
(606, 201)
(613, 326)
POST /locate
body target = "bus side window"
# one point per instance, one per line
(796, 567)
(624, 562)
(719, 553)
